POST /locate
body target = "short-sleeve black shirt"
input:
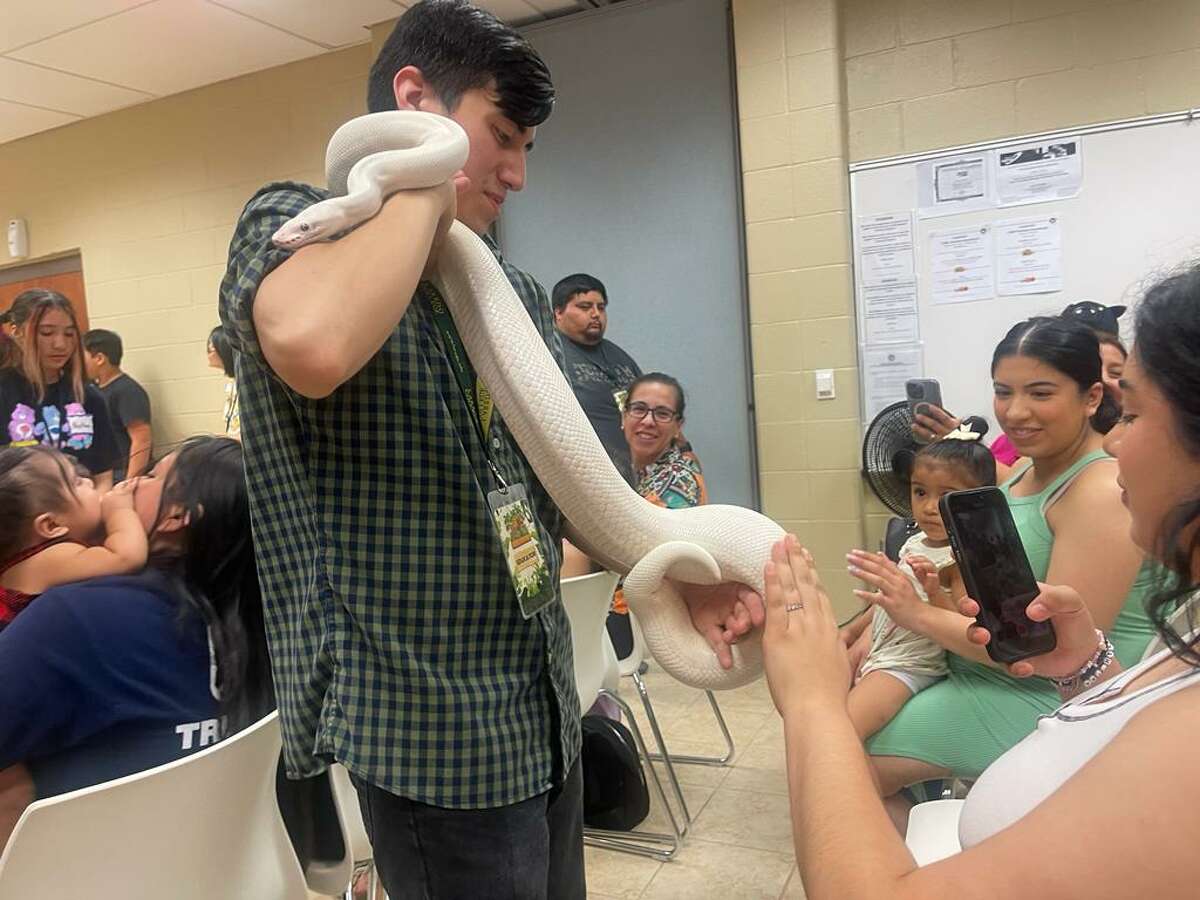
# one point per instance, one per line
(598, 374)
(128, 404)
(81, 430)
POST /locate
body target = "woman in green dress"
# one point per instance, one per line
(1050, 400)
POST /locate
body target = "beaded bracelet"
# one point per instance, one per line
(1092, 669)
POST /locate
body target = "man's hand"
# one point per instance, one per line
(722, 613)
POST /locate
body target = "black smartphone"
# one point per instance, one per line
(922, 392)
(996, 572)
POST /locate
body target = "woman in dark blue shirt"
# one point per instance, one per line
(108, 677)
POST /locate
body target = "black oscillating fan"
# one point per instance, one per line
(889, 434)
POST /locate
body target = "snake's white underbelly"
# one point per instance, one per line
(705, 544)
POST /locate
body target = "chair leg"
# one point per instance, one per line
(709, 760)
(663, 755)
(642, 843)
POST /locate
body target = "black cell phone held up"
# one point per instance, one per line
(996, 572)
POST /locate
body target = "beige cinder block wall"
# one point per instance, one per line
(149, 196)
(897, 76)
(791, 109)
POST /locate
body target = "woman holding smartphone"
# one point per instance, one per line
(1066, 503)
(1055, 816)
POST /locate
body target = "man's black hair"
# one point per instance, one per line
(572, 286)
(101, 340)
(459, 47)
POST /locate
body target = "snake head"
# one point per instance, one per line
(311, 225)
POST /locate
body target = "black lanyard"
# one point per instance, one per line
(475, 393)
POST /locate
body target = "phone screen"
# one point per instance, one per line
(997, 573)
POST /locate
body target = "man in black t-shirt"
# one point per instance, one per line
(600, 372)
(128, 402)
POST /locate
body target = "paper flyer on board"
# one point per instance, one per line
(961, 264)
(1029, 258)
(890, 313)
(885, 370)
(953, 184)
(1037, 172)
(885, 249)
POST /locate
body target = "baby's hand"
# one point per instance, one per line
(120, 497)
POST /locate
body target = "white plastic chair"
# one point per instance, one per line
(201, 827)
(933, 830)
(587, 599)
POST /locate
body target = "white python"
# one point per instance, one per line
(375, 155)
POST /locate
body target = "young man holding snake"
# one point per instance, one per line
(398, 644)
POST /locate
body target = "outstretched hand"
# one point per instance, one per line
(803, 652)
(894, 591)
(722, 613)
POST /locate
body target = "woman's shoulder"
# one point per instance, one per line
(1093, 484)
(128, 594)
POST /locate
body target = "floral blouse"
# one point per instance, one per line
(675, 479)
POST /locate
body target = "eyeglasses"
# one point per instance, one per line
(638, 410)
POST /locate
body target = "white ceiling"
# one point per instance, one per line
(64, 60)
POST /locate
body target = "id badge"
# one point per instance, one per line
(519, 540)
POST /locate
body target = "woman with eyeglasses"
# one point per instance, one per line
(667, 471)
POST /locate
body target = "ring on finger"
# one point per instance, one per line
(792, 607)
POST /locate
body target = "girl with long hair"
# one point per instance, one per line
(44, 397)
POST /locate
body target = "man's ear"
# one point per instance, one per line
(47, 527)
(558, 314)
(412, 91)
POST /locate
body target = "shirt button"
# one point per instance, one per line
(496, 443)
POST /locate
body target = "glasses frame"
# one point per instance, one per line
(652, 411)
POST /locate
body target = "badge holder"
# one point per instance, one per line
(518, 532)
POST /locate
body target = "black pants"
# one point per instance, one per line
(532, 850)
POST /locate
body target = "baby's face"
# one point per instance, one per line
(930, 481)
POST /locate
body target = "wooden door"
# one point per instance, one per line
(69, 284)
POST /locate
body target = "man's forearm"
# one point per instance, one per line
(322, 314)
(139, 450)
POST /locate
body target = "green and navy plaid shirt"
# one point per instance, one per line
(397, 643)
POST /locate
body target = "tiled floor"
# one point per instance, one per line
(740, 845)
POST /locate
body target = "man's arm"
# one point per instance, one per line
(139, 448)
(326, 310)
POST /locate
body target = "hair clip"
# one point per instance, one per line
(963, 432)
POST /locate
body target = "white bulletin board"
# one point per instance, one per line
(1103, 211)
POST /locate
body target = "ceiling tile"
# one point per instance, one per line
(17, 120)
(556, 6)
(511, 10)
(25, 83)
(168, 46)
(26, 21)
(333, 24)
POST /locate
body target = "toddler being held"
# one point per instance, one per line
(57, 528)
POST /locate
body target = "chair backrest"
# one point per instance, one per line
(587, 599)
(201, 827)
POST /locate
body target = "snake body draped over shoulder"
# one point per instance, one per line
(375, 155)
